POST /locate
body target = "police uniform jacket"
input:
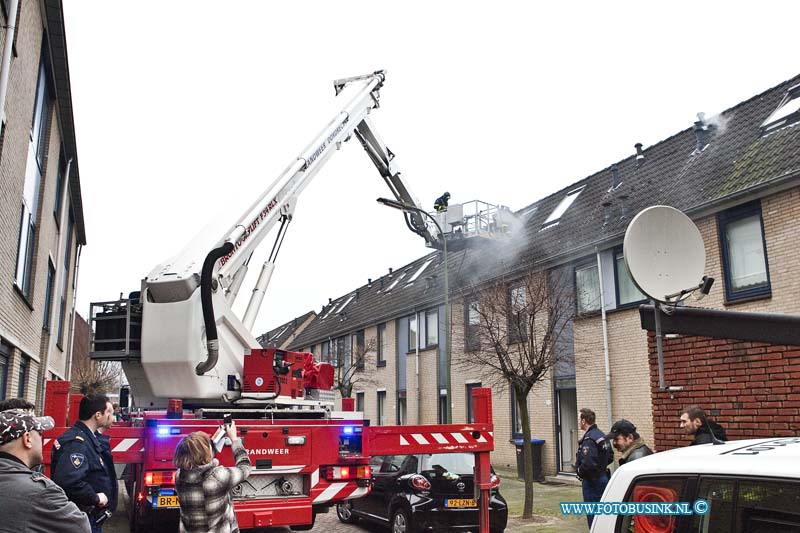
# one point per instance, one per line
(32, 503)
(108, 460)
(592, 458)
(80, 468)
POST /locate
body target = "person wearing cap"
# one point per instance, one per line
(627, 441)
(441, 203)
(29, 501)
(81, 465)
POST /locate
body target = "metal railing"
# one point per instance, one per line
(116, 330)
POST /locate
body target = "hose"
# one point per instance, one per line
(206, 277)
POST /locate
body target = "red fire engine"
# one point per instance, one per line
(178, 337)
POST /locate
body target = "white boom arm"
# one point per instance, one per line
(192, 343)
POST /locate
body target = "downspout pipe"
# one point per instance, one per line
(68, 370)
(419, 384)
(206, 278)
(8, 48)
(605, 336)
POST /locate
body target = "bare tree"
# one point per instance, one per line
(515, 331)
(350, 362)
(96, 377)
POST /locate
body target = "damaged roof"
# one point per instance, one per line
(730, 161)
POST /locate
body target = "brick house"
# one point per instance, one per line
(737, 175)
(284, 334)
(42, 229)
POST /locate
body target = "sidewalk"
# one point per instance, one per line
(546, 497)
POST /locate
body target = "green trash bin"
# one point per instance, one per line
(536, 453)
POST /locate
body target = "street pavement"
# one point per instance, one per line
(548, 518)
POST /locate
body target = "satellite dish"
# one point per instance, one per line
(664, 252)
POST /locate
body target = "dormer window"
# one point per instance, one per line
(788, 112)
(562, 207)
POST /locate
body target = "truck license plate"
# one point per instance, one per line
(456, 502)
(167, 501)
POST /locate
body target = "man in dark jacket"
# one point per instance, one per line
(81, 465)
(694, 422)
(627, 441)
(592, 460)
(441, 203)
(28, 500)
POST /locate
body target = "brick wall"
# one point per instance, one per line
(21, 318)
(752, 389)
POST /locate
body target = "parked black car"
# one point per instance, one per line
(427, 492)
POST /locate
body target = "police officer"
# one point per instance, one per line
(594, 455)
(81, 465)
(441, 203)
(28, 500)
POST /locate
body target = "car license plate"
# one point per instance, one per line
(460, 502)
(167, 501)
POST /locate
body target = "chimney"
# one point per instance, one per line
(614, 177)
(606, 212)
(623, 200)
(639, 154)
(390, 272)
(381, 283)
(369, 283)
(330, 300)
(701, 131)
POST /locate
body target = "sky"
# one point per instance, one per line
(185, 112)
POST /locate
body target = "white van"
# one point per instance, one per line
(750, 486)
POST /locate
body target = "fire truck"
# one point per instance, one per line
(191, 361)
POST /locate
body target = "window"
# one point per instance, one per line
(338, 352)
(743, 249)
(326, 354)
(33, 177)
(472, 323)
(627, 293)
(719, 493)
(562, 207)
(4, 353)
(767, 506)
(345, 304)
(381, 344)
(402, 414)
(432, 328)
(788, 111)
(516, 421)
(381, 407)
(395, 282)
(517, 314)
(419, 271)
(360, 402)
(443, 407)
(64, 280)
(48, 295)
(412, 333)
(649, 489)
(587, 289)
(358, 349)
(23, 375)
(468, 401)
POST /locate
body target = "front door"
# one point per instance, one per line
(567, 422)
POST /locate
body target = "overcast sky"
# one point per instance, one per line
(185, 111)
